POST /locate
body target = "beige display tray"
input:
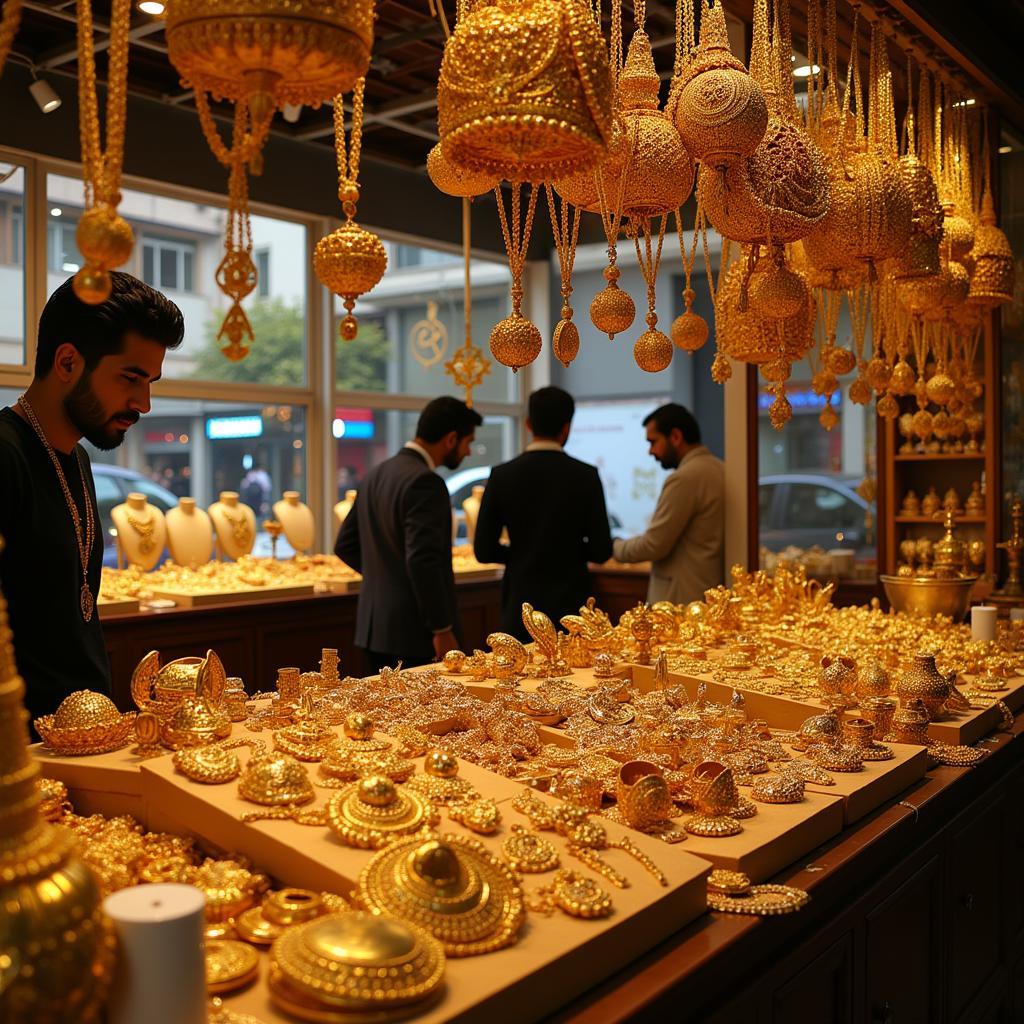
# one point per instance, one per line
(775, 837)
(108, 784)
(789, 713)
(118, 606)
(556, 958)
(191, 599)
(479, 572)
(880, 781)
(582, 677)
(339, 585)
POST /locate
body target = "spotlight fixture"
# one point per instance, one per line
(44, 95)
(292, 112)
(1003, 150)
(806, 70)
(153, 7)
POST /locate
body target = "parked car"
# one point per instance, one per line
(807, 509)
(113, 485)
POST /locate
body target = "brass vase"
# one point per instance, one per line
(924, 682)
(837, 677)
(56, 948)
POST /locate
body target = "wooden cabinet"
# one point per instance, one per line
(821, 992)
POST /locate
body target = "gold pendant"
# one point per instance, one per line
(87, 602)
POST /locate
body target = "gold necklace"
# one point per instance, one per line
(86, 601)
(144, 528)
(239, 527)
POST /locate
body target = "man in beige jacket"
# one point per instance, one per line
(685, 538)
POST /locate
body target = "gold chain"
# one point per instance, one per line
(518, 241)
(348, 156)
(87, 601)
(566, 231)
(144, 528)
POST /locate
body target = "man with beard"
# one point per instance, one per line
(94, 367)
(684, 539)
(398, 534)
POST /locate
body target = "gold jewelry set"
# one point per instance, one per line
(144, 528)
(731, 892)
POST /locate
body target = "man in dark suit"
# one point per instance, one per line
(398, 534)
(553, 508)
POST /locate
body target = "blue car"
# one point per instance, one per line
(113, 484)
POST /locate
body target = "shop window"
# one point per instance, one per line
(179, 244)
(414, 320)
(12, 264)
(262, 260)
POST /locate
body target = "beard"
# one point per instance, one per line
(453, 459)
(669, 460)
(86, 413)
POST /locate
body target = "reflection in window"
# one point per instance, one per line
(12, 264)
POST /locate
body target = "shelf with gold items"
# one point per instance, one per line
(939, 457)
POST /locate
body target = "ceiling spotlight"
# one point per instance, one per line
(292, 112)
(44, 95)
(56, 212)
(153, 7)
(965, 103)
(806, 70)
(1003, 150)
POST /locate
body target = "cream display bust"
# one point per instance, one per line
(141, 531)
(189, 534)
(235, 524)
(342, 509)
(297, 519)
(471, 507)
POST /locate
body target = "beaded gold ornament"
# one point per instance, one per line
(350, 261)
(573, 894)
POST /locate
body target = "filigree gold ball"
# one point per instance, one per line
(581, 189)
(878, 373)
(860, 391)
(565, 342)
(689, 331)
(515, 341)
(940, 388)
(104, 237)
(442, 764)
(525, 90)
(350, 260)
(920, 258)
(377, 791)
(828, 417)
(887, 407)
(653, 350)
(612, 310)
(840, 361)
(777, 370)
(92, 284)
(358, 726)
(457, 181)
(902, 380)
(85, 708)
(778, 293)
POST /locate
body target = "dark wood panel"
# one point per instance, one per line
(820, 993)
(616, 591)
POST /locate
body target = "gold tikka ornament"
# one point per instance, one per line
(104, 238)
(524, 91)
(350, 261)
(468, 366)
(565, 342)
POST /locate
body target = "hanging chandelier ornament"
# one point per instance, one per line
(350, 261)
(468, 366)
(524, 91)
(104, 238)
(719, 110)
(457, 181)
(565, 343)
(515, 341)
(9, 22)
(992, 279)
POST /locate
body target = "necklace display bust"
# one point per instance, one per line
(297, 519)
(189, 534)
(141, 532)
(235, 524)
(471, 507)
(343, 507)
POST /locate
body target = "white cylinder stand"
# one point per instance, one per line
(983, 622)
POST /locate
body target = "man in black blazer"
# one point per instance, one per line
(553, 508)
(398, 534)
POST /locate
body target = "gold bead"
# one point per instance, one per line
(653, 350)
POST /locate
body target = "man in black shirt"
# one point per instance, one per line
(94, 367)
(553, 508)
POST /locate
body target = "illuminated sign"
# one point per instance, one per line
(227, 428)
(353, 424)
(802, 400)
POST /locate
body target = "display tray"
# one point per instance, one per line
(191, 599)
(556, 958)
(784, 712)
(118, 606)
(340, 585)
(582, 677)
(108, 784)
(479, 572)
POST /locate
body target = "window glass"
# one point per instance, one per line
(414, 320)
(12, 264)
(828, 476)
(179, 245)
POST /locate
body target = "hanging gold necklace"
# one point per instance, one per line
(86, 600)
(144, 528)
(239, 527)
(104, 237)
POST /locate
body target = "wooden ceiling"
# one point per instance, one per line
(400, 121)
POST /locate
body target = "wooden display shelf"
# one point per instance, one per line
(200, 599)
(945, 456)
(929, 521)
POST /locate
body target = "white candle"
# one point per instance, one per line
(983, 622)
(161, 965)
(1016, 614)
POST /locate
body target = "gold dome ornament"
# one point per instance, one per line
(719, 110)
(957, 232)
(85, 723)
(350, 261)
(211, 764)
(457, 181)
(275, 780)
(57, 946)
(194, 723)
(359, 735)
(375, 812)
(992, 279)
(355, 966)
(584, 189)
(441, 783)
(780, 293)
(230, 965)
(515, 341)
(524, 91)
(104, 238)
(452, 887)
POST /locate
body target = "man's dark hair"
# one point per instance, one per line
(674, 416)
(98, 331)
(550, 410)
(445, 414)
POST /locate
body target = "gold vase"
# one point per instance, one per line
(56, 947)
(837, 678)
(924, 682)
